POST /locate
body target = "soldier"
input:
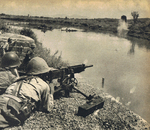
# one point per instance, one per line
(9, 63)
(29, 55)
(26, 94)
(8, 46)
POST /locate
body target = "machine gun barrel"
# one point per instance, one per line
(53, 74)
(87, 66)
(79, 68)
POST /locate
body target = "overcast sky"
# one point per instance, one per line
(76, 8)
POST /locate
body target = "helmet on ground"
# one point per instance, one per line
(37, 66)
(10, 60)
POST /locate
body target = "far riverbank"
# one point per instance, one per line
(101, 25)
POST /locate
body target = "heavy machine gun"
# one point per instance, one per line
(67, 80)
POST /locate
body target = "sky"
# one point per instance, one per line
(76, 8)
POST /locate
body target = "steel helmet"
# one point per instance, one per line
(10, 60)
(37, 66)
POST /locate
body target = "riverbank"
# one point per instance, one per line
(102, 25)
(112, 116)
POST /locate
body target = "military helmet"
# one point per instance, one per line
(10, 60)
(37, 66)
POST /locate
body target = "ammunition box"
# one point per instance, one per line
(90, 106)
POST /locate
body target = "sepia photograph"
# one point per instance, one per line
(74, 64)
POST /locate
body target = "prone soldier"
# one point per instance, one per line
(26, 94)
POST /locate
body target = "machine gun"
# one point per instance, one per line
(67, 80)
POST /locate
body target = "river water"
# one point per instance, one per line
(124, 64)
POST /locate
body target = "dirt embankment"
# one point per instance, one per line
(113, 115)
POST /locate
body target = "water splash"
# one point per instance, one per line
(122, 28)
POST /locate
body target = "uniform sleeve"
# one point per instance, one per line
(47, 100)
(11, 88)
(6, 79)
(11, 77)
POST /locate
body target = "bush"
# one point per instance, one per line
(28, 32)
(3, 27)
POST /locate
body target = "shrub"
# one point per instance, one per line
(3, 27)
(28, 32)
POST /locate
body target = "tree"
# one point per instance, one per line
(135, 15)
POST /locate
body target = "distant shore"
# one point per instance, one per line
(101, 25)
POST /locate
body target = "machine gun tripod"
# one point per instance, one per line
(69, 83)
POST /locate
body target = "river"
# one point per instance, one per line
(123, 63)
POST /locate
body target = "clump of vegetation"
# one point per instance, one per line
(28, 32)
(135, 15)
(3, 27)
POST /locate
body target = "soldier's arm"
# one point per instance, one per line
(47, 100)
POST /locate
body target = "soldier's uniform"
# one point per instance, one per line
(9, 63)
(6, 79)
(17, 103)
